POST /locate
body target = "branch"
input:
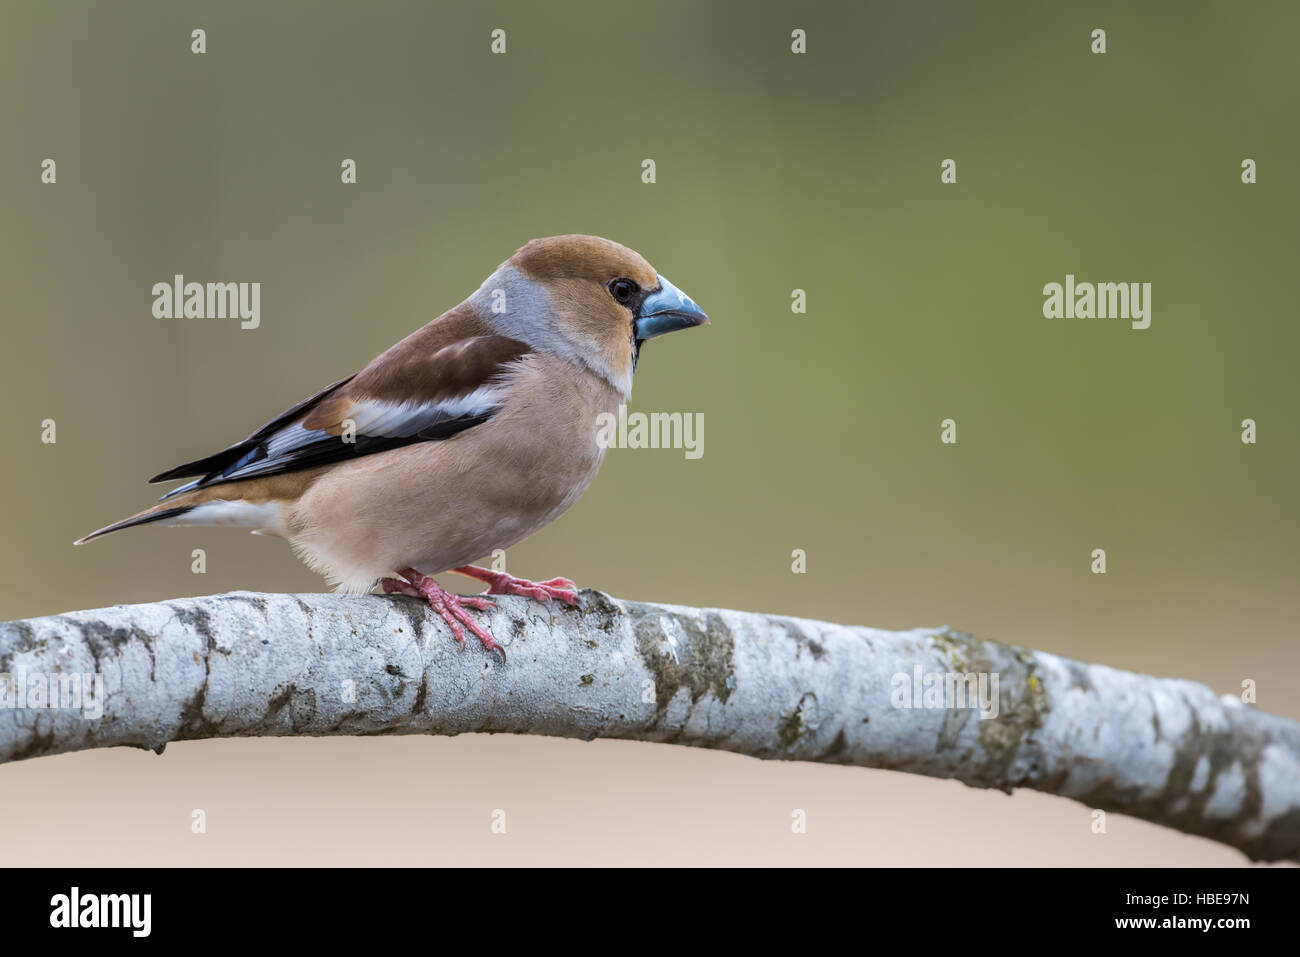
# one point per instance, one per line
(247, 664)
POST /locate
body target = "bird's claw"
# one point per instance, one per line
(395, 586)
(451, 608)
(499, 583)
(545, 592)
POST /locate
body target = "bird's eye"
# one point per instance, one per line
(622, 290)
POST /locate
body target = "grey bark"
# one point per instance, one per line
(247, 664)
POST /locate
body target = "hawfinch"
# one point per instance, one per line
(467, 436)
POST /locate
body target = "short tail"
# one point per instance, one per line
(204, 507)
(167, 514)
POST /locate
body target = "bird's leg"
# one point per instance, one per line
(499, 583)
(451, 607)
(397, 586)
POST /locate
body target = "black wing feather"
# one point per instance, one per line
(218, 461)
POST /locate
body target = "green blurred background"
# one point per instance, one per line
(775, 171)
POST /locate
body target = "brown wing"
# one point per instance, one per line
(409, 394)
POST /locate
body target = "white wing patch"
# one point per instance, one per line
(373, 418)
(402, 419)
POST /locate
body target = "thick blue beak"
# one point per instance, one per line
(667, 309)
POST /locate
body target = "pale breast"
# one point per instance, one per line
(437, 505)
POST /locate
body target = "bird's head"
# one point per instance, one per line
(587, 298)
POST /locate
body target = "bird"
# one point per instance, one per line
(467, 436)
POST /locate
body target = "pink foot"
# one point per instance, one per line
(450, 607)
(499, 583)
